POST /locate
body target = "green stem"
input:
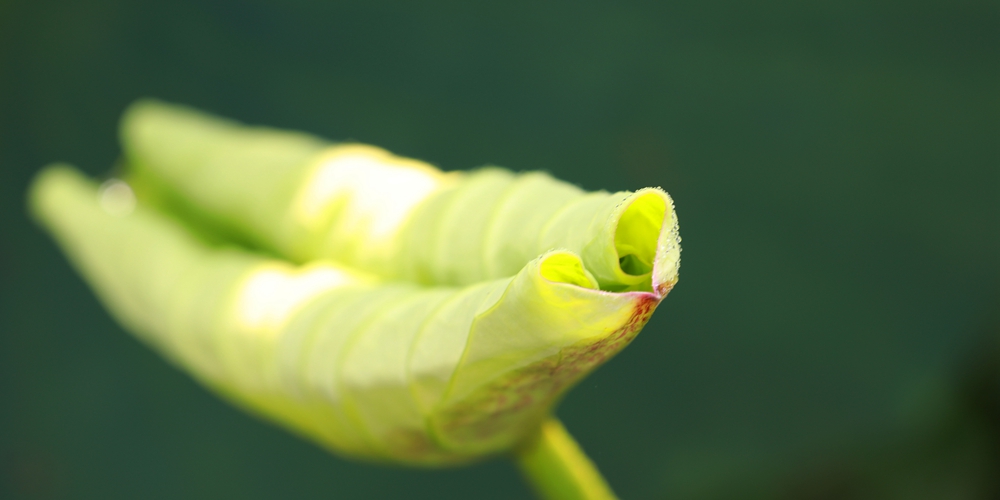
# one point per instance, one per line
(557, 468)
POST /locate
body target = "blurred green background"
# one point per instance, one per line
(836, 168)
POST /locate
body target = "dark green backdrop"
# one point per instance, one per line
(836, 168)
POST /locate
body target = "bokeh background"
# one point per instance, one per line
(836, 168)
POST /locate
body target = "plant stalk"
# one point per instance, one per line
(556, 467)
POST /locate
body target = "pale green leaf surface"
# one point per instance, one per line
(370, 368)
(394, 217)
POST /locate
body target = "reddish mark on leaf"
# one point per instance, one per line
(498, 415)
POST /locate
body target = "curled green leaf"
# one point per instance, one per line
(406, 314)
